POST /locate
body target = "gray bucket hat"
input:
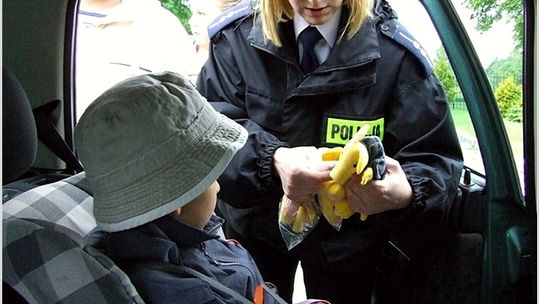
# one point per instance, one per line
(149, 145)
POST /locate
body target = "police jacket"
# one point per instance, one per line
(371, 78)
(152, 253)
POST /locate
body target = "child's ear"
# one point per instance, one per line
(176, 213)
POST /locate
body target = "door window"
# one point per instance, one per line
(499, 50)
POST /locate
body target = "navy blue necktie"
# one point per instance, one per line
(308, 38)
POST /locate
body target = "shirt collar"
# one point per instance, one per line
(328, 30)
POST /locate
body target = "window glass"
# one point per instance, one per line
(499, 52)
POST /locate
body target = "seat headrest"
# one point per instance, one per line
(19, 135)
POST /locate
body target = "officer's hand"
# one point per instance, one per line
(392, 192)
(301, 172)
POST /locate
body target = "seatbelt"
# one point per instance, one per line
(49, 135)
(182, 270)
(263, 291)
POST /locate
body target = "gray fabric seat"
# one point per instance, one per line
(49, 253)
(49, 231)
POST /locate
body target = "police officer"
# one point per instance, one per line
(359, 66)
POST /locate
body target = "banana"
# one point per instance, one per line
(352, 158)
(366, 176)
(335, 191)
(363, 217)
(298, 225)
(359, 135)
(288, 212)
(343, 209)
(354, 154)
(331, 154)
(327, 208)
(345, 167)
(311, 215)
(363, 158)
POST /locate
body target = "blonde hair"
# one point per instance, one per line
(225, 4)
(273, 12)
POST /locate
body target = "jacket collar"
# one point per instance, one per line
(360, 49)
(187, 236)
(158, 240)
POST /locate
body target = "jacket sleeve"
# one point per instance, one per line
(249, 180)
(420, 134)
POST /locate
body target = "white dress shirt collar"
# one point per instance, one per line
(328, 30)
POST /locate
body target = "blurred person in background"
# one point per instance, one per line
(117, 39)
(204, 14)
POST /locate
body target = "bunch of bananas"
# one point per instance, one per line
(298, 217)
(352, 158)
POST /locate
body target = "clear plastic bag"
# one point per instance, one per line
(297, 221)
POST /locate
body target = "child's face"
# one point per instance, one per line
(197, 213)
(316, 12)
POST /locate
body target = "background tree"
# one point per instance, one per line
(500, 69)
(180, 8)
(487, 12)
(508, 96)
(446, 76)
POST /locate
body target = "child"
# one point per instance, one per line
(152, 149)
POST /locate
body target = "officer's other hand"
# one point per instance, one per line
(392, 192)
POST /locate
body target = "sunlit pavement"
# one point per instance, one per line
(299, 293)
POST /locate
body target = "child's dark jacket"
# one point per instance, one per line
(166, 240)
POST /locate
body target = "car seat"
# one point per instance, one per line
(19, 135)
(51, 248)
(22, 128)
(50, 240)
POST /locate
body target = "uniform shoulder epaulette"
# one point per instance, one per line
(397, 32)
(240, 10)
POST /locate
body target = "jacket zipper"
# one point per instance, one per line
(217, 262)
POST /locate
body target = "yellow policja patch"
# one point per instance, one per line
(339, 131)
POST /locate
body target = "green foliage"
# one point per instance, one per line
(499, 69)
(180, 9)
(508, 96)
(487, 12)
(446, 76)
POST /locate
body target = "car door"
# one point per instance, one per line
(498, 186)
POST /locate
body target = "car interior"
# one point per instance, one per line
(51, 243)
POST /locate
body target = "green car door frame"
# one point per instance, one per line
(509, 218)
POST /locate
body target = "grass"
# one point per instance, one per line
(469, 144)
(463, 122)
(514, 130)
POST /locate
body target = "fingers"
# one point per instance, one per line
(392, 192)
(322, 166)
(391, 164)
(300, 172)
(359, 196)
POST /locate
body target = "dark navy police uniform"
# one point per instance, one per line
(381, 77)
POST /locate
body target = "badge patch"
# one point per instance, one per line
(339, 131)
